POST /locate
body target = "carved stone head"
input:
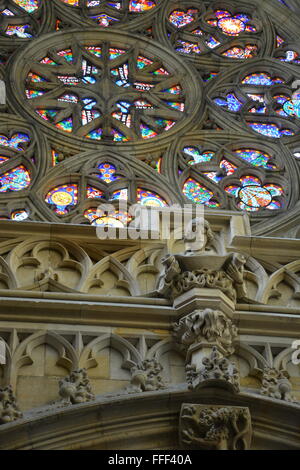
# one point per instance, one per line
(198, 236)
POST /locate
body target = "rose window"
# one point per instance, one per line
(102, 90)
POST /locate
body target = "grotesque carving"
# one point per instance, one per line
(197, 267)
(146, 377)
(8, 407)
(171, 271)
(206, 326)
(76, 388)
(215, 427)
(216, 371)
(276, 384)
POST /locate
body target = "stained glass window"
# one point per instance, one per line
(154, 102)
(154, 113)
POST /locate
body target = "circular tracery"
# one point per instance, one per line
(94, 88)
(262, 100)
(198, 29)
(19, 18)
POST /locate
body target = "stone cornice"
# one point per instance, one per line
(133, 312)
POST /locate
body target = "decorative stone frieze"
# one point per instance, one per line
(9, 410)
(215, 427)
(216, 371)
(276, 384)
(205, 328)
(76, 388)
(146, 377)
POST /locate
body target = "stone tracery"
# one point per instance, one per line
(62, 90)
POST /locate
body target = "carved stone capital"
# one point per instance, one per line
(216, 371)
(9, 410)
(215, 427)
(146, 377)
(76, 388)
(206, 327)
(276, 384)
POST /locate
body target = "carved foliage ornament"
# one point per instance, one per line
(215, 427)
(76, 388)
(9, 410)
(276, 384)
(216, 371)
(146, 377)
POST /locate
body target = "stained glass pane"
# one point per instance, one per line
(28, 5)
(107, 172)
(15, 180)
(117, 219)
(120, 194)
(196, 191)
(93, 193)
(255, 157)
(62, 197)
(17, 142)
(140, 6)
(198, 157)
(150, 198)
(179, 18)
(19, 215)
(261, 79)
(269, 129)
